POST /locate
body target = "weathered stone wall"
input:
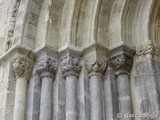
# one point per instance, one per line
(6, 91)
(79, 59)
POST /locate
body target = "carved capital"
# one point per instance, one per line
(121, 64)
(47, 67)
(22, 67)
(96, 64)
(71, 65)
(147, 48)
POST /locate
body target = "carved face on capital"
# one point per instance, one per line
(47, 64)
(76, 61)
(19, 66)
(121, 63)
(65, 61)
(22, 67)
(71, 64)
(120, 60)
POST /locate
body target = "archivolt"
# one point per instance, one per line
(115, 23)
(154, 22)
(80, 22)
(93, 21)
(138, 21)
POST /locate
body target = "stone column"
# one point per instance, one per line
(122, 63)
(70, 67)
(147, 78)
(96, 64)
(22, 68)
(46, 68)
(96, 69)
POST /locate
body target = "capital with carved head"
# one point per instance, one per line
(22, 67)
(122, 64)
(70, 61)
(47, 67)
(71, 65)
(121, 59)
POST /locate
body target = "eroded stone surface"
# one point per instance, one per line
(46, 27)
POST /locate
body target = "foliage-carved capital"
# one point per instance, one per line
(147, 48)
(96, 64)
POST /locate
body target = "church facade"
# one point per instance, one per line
(79, 60)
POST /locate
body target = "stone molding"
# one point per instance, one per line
(121, 64)
(47, 67)
(147, 48)
(17, 50)
(71, 65)
(13, 19)
(22, 67)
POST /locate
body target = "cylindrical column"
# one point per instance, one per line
(122, 65)
(20, 99)
(96, 66)
(22, 68)
(70, 67)
(46, 98)
(124, 95)
(46, 69)
(96, 97)
(71, 97)
(110, 95)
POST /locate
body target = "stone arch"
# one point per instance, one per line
(154, 28)
(92, 24)
(103, 22)
(49, 23)
(84, 22)
(90, 19)
(115, 26)
(136, 21)
(42, 24)
(27, 22)
(69, 22)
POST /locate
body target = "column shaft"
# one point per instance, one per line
(108, 97)
(96, 62)
(96, 97)
(71, 97)
(124, 95)
(22, 68)
(46, 98)
(122, 62)
(46, 68)
(20, 99)
(70, 69)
